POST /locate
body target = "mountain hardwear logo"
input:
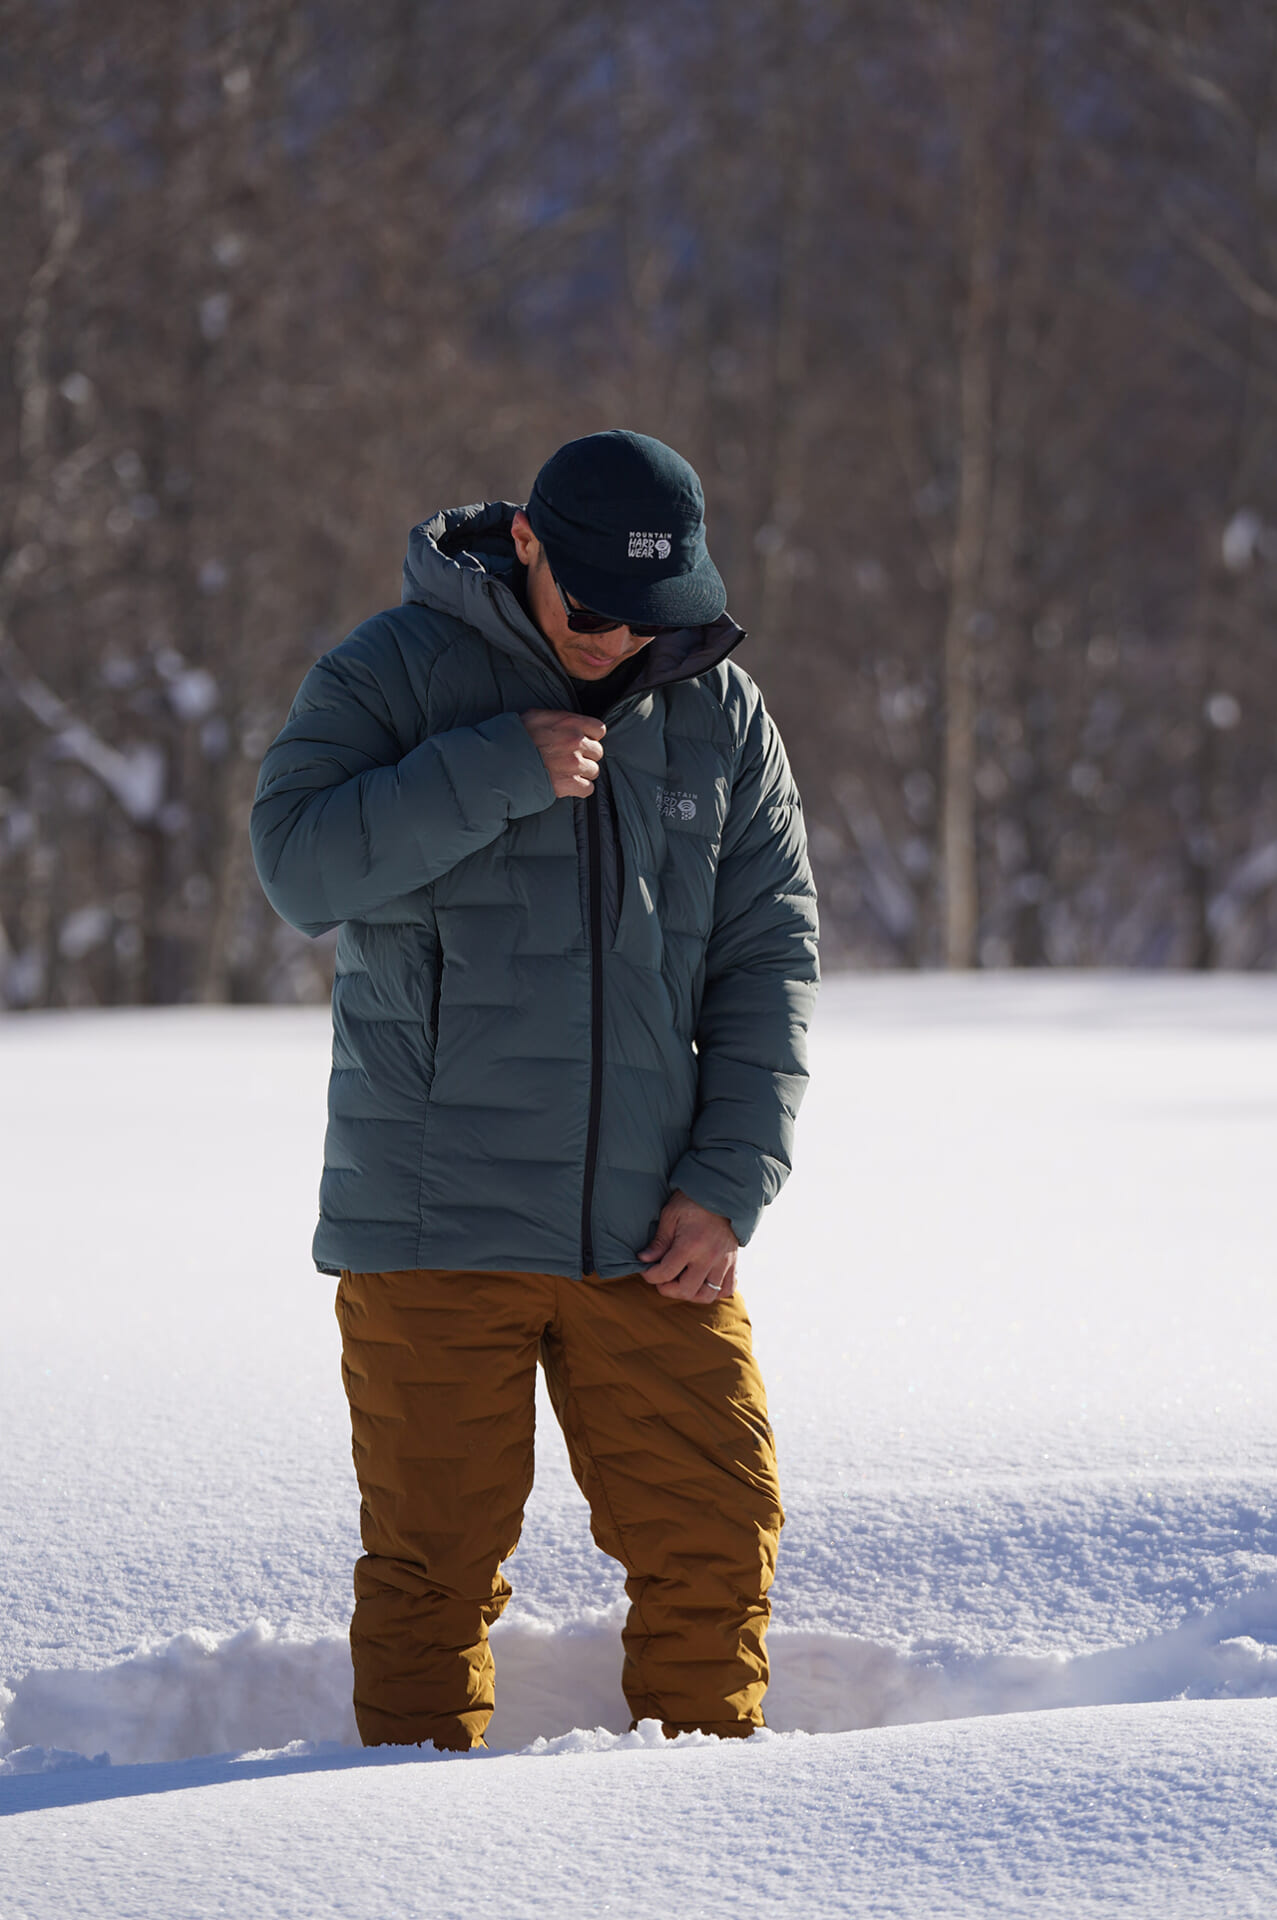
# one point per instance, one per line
(649, 546)
(675, 803)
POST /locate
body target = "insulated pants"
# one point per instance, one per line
(665, 1418)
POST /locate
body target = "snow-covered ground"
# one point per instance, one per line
(1017, 1316)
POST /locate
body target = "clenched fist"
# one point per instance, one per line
(571, 746)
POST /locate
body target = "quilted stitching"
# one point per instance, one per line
(403, 800)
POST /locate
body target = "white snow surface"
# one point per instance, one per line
(1142, 1811)
(1017, 1316)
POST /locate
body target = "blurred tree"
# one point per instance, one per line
(967, 315)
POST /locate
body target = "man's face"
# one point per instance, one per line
(585, 656)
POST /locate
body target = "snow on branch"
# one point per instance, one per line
(1232, 272)
(134, 778)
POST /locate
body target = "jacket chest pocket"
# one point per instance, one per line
(657, 810)
(670, 832)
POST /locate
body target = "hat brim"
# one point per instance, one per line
(679, 600)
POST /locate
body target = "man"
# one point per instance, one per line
(575, 965)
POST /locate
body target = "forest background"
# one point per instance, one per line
(966, 313)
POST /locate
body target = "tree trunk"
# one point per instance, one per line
(982, 217)
(784, 480)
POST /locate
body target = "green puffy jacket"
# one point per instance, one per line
(547, 1014)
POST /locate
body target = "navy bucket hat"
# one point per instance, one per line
(622, 520)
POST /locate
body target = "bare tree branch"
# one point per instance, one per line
(1171, 53)
(1231, 271)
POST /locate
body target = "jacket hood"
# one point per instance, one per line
(462, 562)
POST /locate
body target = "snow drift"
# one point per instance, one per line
(260, 1689)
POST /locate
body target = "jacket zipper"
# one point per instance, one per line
(594, 877)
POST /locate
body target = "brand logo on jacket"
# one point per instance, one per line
(675, 803)
(649, 546)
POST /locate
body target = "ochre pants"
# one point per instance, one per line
(665, 1418)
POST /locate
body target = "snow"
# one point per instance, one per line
(1242, 539)
(214, 314)
(193, 693)
(84, 929)
(1140, 1811)
(1017, 1319)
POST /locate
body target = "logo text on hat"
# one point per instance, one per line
(649, 546)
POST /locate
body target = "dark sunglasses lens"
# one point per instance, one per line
(580, 620)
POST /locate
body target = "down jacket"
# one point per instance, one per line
(547, 1014)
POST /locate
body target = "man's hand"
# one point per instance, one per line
(571, 746)
(692, 1255)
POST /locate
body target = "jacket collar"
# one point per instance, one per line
(462, 562)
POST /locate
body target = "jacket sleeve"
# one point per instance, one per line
(344, 821)
(760, 985)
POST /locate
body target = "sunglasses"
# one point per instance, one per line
(581, 620)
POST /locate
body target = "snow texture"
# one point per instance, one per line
(1132, 1810)
(1017, 1318)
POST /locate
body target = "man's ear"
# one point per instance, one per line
(526, 544)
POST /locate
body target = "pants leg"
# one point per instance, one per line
(665, 1416)
(440, 1371)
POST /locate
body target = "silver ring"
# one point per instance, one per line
(715, 1286)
